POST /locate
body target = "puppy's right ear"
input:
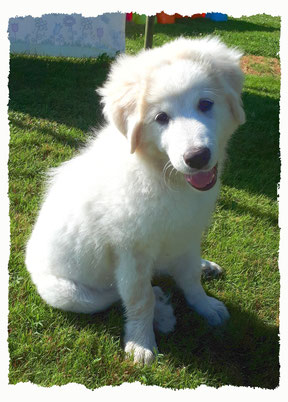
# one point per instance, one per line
(122, 100)
(134, 133)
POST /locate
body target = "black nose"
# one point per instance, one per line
(197, 159)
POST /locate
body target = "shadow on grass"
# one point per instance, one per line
(58, 89)
(188, 26)
(253, 162)
(245, 352)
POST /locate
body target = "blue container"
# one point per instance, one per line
(217, 16)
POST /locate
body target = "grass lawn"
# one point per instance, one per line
(52, 106)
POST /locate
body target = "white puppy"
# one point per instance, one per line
(138, 197)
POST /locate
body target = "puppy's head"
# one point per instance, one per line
(179, 103)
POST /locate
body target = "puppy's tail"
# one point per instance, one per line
(72, 296)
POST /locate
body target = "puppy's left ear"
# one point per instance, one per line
(236, 106)
(122, 98)
(233, 79)
(227, 62)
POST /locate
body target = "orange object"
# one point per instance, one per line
(163, 18)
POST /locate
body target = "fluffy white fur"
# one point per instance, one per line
(122, 209)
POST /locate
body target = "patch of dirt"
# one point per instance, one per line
(259, 65)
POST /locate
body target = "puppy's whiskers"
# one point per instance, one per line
(168, 166)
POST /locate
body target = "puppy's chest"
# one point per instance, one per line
(173, 223)
(177, 231)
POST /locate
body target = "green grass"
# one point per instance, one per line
(257, 34)
(52, 106)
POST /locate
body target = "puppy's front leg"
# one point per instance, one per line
(134, 285)
(188, 277)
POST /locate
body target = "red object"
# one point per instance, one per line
(163, 18)
(178, 15)
(129, 16)
(198, 16)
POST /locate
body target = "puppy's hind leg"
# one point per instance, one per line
(210, 269)
(164, 318)
(73, 296)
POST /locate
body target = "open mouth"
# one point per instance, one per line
(203, 181)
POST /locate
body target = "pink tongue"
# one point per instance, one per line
(201, 179)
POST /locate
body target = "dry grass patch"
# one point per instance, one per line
(259, 65)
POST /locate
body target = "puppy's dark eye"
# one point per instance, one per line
(205, 105)
(162, 118)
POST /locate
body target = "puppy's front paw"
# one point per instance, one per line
(140, 341)
(213, 310)
(140, 353)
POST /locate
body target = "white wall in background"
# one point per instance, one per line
(68, 35)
